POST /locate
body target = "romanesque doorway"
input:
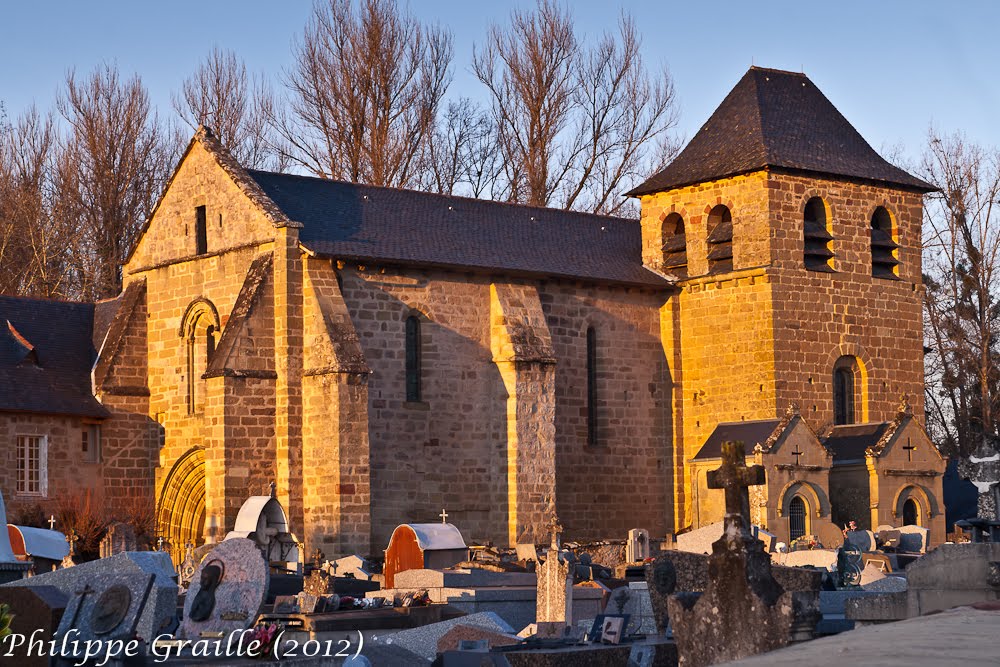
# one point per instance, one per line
(181, 510)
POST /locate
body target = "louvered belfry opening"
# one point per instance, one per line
(818, 240)
(884, 247)
(674, 246)
(720, 240)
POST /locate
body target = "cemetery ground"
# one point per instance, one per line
(726, 593)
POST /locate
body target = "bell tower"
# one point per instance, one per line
(796, 250)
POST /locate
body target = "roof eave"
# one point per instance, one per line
(488, 271)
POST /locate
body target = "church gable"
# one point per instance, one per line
(209, 206)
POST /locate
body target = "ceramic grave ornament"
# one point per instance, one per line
(227, 589)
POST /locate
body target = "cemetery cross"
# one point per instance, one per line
(736, 477)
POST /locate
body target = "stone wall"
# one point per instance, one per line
(819, 317)
(69, 474)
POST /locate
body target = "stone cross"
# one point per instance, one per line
(735, 477)
(444, 516)
(555, 528)
(52, 522)
(159, 543)
(272, 490)
(72, 539)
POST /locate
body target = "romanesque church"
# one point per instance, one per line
(384, 354)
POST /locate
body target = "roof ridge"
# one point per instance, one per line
(443, 196)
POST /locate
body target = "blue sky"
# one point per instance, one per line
(892, 68)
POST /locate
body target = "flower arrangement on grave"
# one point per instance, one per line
(5, 619)
(803, 543)
(265, 635)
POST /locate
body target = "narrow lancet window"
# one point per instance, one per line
(413, 379)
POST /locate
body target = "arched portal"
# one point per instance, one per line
(911, 513)
(798, 518)
(181, 510)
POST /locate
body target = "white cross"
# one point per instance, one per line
(159, 544)
(52, 522)
(444, 516)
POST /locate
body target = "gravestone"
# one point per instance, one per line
(159, 610)
(744, 611)
(351, 566)
(862, 539)
(830, 535)
(35, 608)
(700, 540)
(119, 538)
(526, 552)
(554, 607)
(227, 590)
(661, 581)
(637, 545)
(769, 539)
(106, 608)
(913, 539)
(187, 568)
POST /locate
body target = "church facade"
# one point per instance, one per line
(382, 355)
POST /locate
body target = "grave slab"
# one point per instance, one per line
(227, 591)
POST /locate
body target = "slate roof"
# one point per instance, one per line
(59, 334)
(366, 223)
(751, 433)
(848, 442)
(774, 118)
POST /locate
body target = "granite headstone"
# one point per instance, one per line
(227, 591)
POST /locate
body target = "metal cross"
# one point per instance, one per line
(735, 477)
(444, 516)
(797, 454)
(909, 450)
(52, 522)
(159, 543)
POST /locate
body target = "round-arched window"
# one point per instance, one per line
(720, 240)
(817, 239)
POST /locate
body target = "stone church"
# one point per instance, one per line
(383, 354)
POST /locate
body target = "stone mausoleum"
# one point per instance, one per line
(381, 354)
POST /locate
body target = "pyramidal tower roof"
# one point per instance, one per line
(777, 119)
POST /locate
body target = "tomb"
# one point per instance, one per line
(262, 520)
(414, 546)
(45, 548)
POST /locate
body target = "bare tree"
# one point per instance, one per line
(461, 155)
(221, 95)
(112, 170)
(962, 313)
(34, 244)
(365, 91)
(575, 124)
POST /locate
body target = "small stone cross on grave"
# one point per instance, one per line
(52, 522)
(735, 477)
(555, 528)
(444, 516)
(159, 543)
(72, 539)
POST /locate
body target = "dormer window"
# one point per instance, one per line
(720, 240)
(674, 245)
(885, 249)
(817, 253)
